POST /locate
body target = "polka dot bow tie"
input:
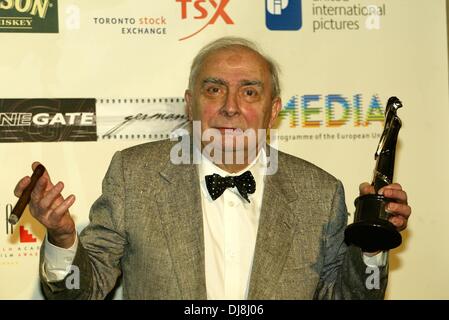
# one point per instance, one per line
(217, 184)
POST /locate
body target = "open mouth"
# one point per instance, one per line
(226, 130)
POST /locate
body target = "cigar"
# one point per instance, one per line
(24, 199)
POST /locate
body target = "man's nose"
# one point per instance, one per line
(230, 106)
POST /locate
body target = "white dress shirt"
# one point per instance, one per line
(230, 229)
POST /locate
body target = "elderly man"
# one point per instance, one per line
(220, 228)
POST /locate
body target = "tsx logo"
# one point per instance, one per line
(283, 14)
(209, 10)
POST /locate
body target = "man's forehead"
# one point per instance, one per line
(234, 66)
(236, 57)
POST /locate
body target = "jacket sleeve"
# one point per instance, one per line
(344, 274)
(97, 263)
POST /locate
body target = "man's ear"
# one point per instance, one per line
(188, 99)
(276, 107)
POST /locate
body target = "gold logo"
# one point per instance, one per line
(33, 7)
(36, 16)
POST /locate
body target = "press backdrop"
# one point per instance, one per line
(120, 69)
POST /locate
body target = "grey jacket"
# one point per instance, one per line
(147, 226)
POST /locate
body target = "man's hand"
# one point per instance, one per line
(400, 210)
(49, 207)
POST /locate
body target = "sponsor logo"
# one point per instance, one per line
(332, 117)
(25, 235)
(9, 254)
(332, 110)
(139, 119)
(47, 120)
(209, 11)
(34, 16)
(283, 14)
(348, 15)
(135, 26)
(20, 244)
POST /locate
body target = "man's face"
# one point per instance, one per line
(233, 90)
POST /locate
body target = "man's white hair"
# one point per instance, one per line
(232, 42)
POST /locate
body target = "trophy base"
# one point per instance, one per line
(371, 230)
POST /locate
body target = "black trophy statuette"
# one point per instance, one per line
(371, 230)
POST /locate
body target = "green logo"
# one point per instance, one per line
(35, 16)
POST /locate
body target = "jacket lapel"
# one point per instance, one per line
(275, 234)
(181, 216)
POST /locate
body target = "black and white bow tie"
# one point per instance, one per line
(217, 184)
